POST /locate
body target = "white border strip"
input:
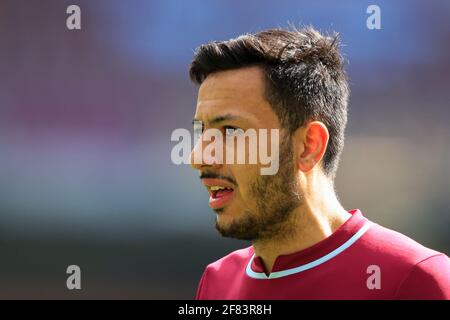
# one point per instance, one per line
(315, 263)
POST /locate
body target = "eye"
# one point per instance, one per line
(232, 131)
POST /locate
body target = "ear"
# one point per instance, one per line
(311, 143)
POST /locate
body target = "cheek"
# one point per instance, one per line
(246, 176)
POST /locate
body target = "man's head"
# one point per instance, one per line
(276, 79)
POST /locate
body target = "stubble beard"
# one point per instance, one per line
(276, 198)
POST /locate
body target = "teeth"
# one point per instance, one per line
(216, 188)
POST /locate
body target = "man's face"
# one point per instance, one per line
(255, 206)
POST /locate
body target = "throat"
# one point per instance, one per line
(295, 238)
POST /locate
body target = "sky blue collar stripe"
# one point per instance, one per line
(332, 254)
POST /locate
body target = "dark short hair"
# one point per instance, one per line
(305, 78)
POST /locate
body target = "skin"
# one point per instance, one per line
(280, 214)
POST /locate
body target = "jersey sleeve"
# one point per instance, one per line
(199, 295)
(428, 280)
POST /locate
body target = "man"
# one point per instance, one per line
(305, 245)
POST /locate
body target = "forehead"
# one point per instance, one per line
(239, 92)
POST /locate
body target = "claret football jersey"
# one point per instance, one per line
(360, 260)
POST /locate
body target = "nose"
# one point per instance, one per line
(200, 156)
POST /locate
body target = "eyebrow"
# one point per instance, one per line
(219, 119)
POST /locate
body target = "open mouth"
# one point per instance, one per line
(219, 196)
(220, 192)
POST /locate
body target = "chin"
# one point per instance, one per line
(224, 219)
(224, 210)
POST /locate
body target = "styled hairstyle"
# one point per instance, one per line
(305, 78)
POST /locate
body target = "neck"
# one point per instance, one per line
(316, 219)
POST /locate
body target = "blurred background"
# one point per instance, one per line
(86, 118)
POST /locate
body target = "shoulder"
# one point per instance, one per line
(395, 246)
(428, 279)
(223, 273)
(233, 261)
(419, 272)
